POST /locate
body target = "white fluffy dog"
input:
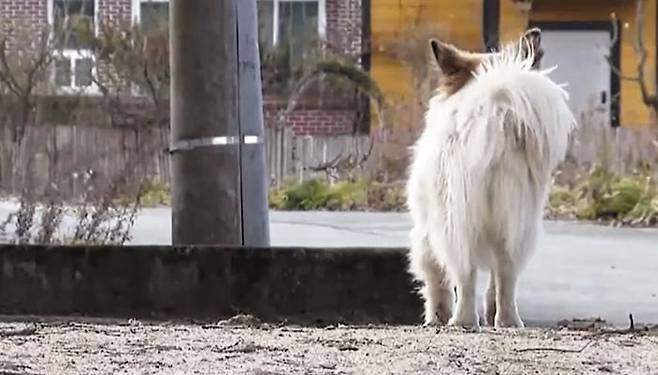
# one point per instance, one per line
(480, 177)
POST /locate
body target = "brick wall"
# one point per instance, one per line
(343, 32)
(115, 11)
(36, 11)
(343, 17)
(23, 12)
(344, 25)
(312, 121)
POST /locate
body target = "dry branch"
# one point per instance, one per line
(550, 349)
(648, 98)
(360, 79)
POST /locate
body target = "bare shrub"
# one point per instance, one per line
(649, 95)
(133, 77)
(26, 55)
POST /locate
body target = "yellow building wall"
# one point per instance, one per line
(512, 22)
(409, 22)
(634, 113)
(460, 22)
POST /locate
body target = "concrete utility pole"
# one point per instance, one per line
(219, 195)
(255, 181)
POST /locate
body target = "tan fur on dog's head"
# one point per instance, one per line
(456, 66)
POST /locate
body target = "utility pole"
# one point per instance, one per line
(217, 142)
(255, 182)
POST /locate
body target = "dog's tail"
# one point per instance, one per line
(523, 107)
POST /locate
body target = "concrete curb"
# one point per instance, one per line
(317, 286)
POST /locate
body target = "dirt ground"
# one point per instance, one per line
(245, 346)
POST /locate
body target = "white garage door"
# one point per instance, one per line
(580, 56)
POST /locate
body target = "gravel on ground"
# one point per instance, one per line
(244, 345)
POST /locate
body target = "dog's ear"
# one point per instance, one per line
(448, 58)
(531, 42)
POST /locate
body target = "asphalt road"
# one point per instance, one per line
(579, 270)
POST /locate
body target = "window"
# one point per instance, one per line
(295, 24)
(74, 25)
(73, 22)
(151, 15)
(74, 70)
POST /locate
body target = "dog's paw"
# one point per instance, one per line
(431, 322)
(463, 327)
(508, 321)
(437, 315)
(469, 322)
(435, 320)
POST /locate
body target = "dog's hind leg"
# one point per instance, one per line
(436, 291)
(506, 278)
(510, 257)
(466, 312)
(490, 300)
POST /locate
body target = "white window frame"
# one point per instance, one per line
(322, 17)
(73, 55)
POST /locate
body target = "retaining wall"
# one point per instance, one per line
(298, 285)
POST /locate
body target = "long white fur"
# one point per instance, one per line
(478, 184)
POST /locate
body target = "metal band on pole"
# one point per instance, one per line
(252, 140)
(191, 144)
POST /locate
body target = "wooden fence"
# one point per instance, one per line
(297, 158)
(621, 149)
(63, 156)
(67, 157)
